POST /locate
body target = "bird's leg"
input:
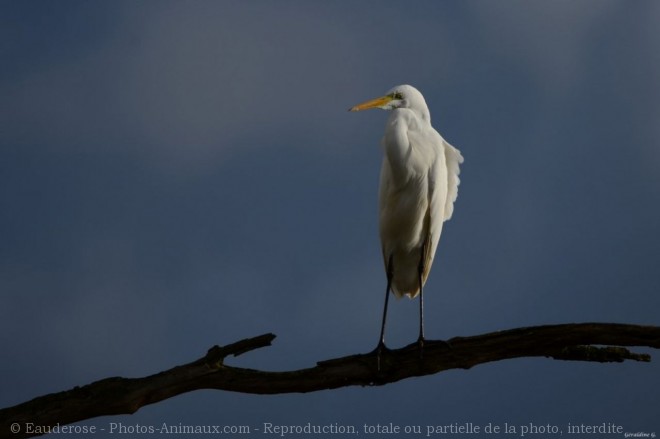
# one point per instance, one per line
(421, 339)
(381, 341)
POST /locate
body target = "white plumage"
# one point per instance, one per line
(418, 186)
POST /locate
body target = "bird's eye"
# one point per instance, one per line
(397, 95)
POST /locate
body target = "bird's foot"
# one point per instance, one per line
(420, 345)
(380, 350)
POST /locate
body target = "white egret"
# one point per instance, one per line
(418, 187)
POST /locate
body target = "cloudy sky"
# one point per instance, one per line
(179, 174)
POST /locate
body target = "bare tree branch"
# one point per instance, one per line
(600, 342)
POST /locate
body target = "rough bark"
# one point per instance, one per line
(599, 342)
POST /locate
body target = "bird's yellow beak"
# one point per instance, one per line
(374, 103)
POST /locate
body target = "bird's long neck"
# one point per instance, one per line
(424, 114)
(396, 143)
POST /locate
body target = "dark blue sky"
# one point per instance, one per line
(175, 175)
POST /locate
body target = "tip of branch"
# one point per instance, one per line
(217, 354)
(608, 354)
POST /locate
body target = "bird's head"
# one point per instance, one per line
(401, 96)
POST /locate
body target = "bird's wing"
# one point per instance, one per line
(453, 159)
(437, 199)
(443, 184)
